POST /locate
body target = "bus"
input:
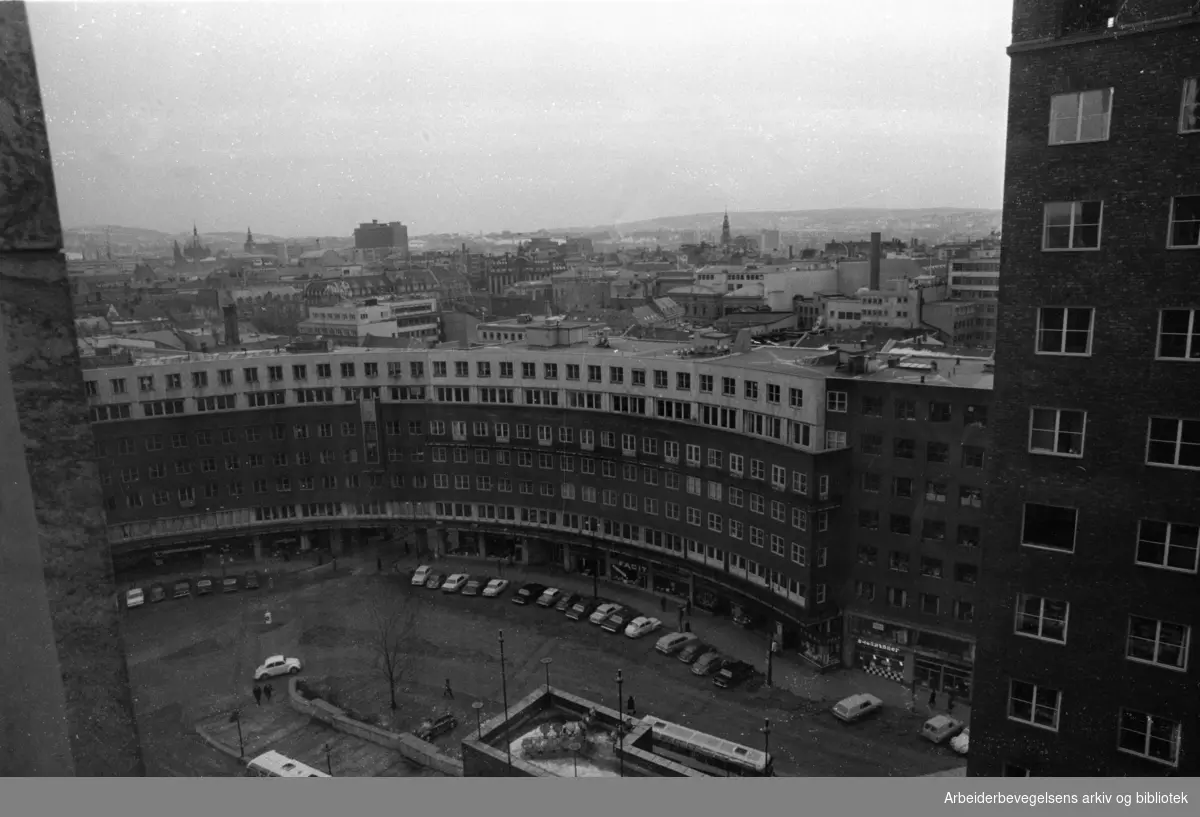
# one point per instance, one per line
(704, 753)
(273, 764)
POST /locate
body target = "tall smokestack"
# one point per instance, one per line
(876, 253)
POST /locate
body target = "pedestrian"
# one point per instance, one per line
(447, 692)
(932, 698)
(632, 709)
(664, 604)
(406, 550)
(913, 688)
(267, 690)
(950, 702)
(258, 693)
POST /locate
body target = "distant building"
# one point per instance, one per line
(978, 279)
(769, 241)
(411, 317)
(375, 236)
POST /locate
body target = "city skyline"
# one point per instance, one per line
(259, 117)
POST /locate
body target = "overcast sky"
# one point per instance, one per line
(301, 119)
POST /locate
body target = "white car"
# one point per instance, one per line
(642, 625)
(421, 576)
(277, 665)
(135, 598)
(495, 587)
(674, 642)
(855, 707)
(455, 582)
(603, 612)
(959, 742)
(940, 728)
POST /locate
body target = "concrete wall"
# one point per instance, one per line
(404, 743)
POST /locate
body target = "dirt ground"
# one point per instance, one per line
(193, 659)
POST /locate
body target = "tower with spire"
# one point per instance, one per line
(726, 238)
(249, 246)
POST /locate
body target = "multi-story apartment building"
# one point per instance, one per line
(688, 469)
(917, 429)
(976, 280)
(1088, 616)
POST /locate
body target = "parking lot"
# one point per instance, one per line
(192, 660)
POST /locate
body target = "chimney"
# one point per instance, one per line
(876, 239)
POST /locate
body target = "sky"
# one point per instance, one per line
(308, 118)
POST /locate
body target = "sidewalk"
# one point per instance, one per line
(789, 672)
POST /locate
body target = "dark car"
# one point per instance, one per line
(709, 663)
(229, 584)
(250, 581)
(436, 726)
(566, 602)
(157, 593)
(618, 621)
(693, 651)
(528, 593)
(435, 580)
(580, 610)
(475, 586)
(183, 589)
(204, 585)
(734, 673)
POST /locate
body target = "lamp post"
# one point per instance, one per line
(766, 730)
(328, 758)
(575, 747)
(546, 662)
(478, 707)
(770, 660)
(620, 719)
(504, 691)
(236, 717)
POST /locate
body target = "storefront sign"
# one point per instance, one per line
(875, 645)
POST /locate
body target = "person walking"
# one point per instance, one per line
(932, 698)
(267, 690)
(447, 692)
(630, 706)
(950, 702)
(258, 693)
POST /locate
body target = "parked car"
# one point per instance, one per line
(437, 725)
(744, 620)
(475, 586)
(582, 609)
(567, 601)
(277, 665)
(183, 588)
(733, 673)
(549, 597)
(204, 586)
(692, 651)
(959, 742)
(455, 583)
(941, 728)
(229, 584)
(528, 593)
(602, 612)
(674, 642)
(856, 707)
(712, 661)
(495, 587)
(157, 593)
(250, 580)
(618, 621)
(135, 597)
(434, 580)
(642, 625)
(421, 575)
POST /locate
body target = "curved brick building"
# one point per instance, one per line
(683, 468)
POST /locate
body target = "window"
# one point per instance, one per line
(836, 401)
(758, 469)
(929, 604)
(1158, 642)
(1049, 526)
(756, 536)
(1185, 222)
(972, 456)
(1168, 545)
(716, 523)
(714, 490)
(693, 516)
(750, 389)
(871, 445)
(773, 393)
(1173, 442)
(871, 482)
(1149, 736)
(902, 487)
(940, 412)
(1179, 334)
(835, 440)
(872, 406)
(1072, 225)
(937, 452)
(897, 597)
(903, 448)
(969, 497)
(671, 510)
(735, 497)
(935, 491)
(1033, 704)
(1065, 330)
(616, 374)
(757, 504)
(901, 525)
(1189, 106)
(868, 519)
(905, 409)
(1042, 618)
(1080, 117)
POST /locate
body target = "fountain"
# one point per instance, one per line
(580, 748)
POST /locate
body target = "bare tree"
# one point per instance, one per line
(394, 617)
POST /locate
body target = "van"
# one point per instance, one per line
(134, 598)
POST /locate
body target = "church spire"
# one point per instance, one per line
(726, 239)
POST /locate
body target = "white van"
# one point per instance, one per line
(135, 598)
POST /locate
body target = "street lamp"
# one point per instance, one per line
(770, 660)
(546, 662)
(575, 747)
(620, 719)
(328, 747)
(236, 717)
(478, 707)
(766, 730)
(504, 691)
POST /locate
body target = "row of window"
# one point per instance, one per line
(1085, 116)
(1069, 331)
(1076, 225)
(930, 567)
(1138, 733)
(1165, 545)
(929, 604)
(931, 530)
(907, 409)
(905, 448)
(934, 490)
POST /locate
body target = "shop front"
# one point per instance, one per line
(711, 598)
(820, 643)
(632, 572)
(944, 663)
(671, 582)
(878, 658)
